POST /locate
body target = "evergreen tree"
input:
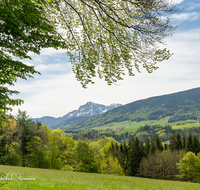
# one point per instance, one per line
(141, 149)
(146, 147)
(152, 147)
(195, 144)
(125, 167)
(158, 143)
(184, 141)
(165, 146)
(188, 145)
(135, 156)
(179, 145)
(172, 144)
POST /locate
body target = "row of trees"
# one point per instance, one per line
(94, 135)
(29, 144)
(165, 132)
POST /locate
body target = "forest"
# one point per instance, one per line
(28, 144)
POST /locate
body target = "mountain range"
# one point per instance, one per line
(83, 113)
(174, 107)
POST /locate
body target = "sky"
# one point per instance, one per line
(56, 92)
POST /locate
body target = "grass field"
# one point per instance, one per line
(187, 125)
(59, 180)
(133, 126)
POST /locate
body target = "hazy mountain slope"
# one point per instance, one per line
(88, 110)
(181, 105)
(70, 121)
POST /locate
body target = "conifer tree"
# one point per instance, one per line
(195, 144)
(158, 143)
(179, 145)
(146, 147)
(165, 146)
(184, 141)
(135, 156)
(152, 147)
(188, 145)
(125, 157)
(172, 144)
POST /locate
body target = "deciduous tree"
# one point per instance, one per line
(111, 35)
(186, 167)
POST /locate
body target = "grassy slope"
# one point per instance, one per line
(133, 126)
(57, 180)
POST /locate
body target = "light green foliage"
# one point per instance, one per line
(186, 167)
(97, 153)
(105, 144)
(84, 158)
(111, 165)
(35, 156)
(14, 154)
(111, 35)
(50, 149)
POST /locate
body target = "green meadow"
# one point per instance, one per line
(131, 127)
(59, 180)
(187, 125)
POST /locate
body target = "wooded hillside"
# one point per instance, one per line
(177, 106)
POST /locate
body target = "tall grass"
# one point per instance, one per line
(59, 180)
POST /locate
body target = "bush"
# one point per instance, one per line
(186, 167)
(161, 165)
(111, 165)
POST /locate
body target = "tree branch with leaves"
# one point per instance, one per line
(107, 37)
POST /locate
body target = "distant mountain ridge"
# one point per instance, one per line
(177, 106)
(84, 112)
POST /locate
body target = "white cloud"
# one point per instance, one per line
(178, 1)
(57, 67)
(52, 52)
(186, 16)
(194, 6)
(48, 51)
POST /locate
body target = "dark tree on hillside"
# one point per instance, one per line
(125, 148)
(122, 156)
(152, 147)
(172, 144)
(179, 145)
(158, 143)
(166, 146)
(184, 142)
(146, 147)
(188, 146)
(134, 156)
(195, 144)
(26, 130)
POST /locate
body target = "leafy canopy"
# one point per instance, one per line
(106, 37)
